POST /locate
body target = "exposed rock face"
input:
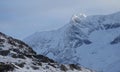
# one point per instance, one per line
(6, 67)
(116, 40)
(16, 56)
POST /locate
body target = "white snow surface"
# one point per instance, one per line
(85, 41)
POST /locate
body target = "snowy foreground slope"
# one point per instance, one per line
(91, 41)
(16, 56)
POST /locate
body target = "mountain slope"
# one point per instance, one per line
(92, 41)
(16, 56)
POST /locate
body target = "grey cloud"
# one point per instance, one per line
(21, 18)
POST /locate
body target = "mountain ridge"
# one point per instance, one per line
(91, 38)
(16, 56)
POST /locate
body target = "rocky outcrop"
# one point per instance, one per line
(16, 56)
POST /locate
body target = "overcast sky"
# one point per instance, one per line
(21, 18)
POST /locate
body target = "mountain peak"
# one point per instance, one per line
(76, 18)
(92, 41)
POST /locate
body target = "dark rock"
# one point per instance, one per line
(4, 52)
(63, 68)
(1, 45)
(73, 66)
(18, 56)
(35, 68)
(87, 41)
(53, 65)
(29, 56)
(78, 43)
(6, 67)
(116, 40)
(0, 48)
(10, 41)
(44, 59)
(39, 63)
(111, 26)
(20, 65)
(16, 50)
(2, 41)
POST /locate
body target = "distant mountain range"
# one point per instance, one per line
(91, 41)
(16, 56)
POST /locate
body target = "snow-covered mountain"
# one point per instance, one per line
(16, 56)
(91, 41)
